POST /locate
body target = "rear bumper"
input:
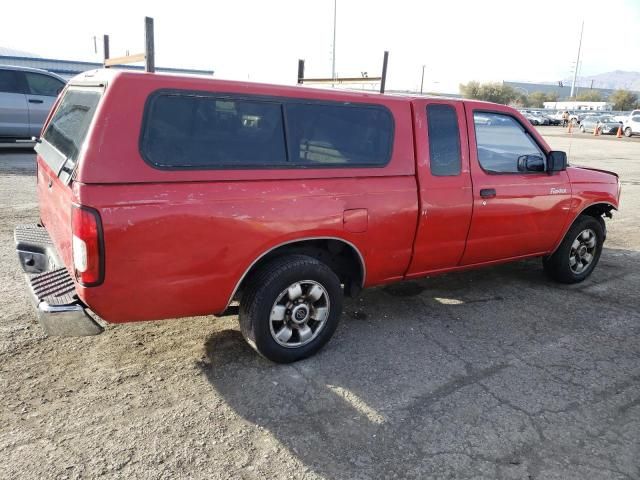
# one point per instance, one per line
(52, 289)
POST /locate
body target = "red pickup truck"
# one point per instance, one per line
(165, 196)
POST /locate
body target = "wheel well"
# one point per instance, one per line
(598, 210)
(341, 257)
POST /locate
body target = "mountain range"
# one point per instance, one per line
(615, 80)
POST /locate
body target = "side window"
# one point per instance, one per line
(69, 126)
(444, 140)
(43, 85)
(10, 82)
(191, 131)
(339, 135)
(636, 118)
(501, 142)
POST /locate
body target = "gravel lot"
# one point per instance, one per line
(494, 373)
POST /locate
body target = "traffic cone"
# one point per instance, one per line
(595, 131)
(570, 127)
(619, 134)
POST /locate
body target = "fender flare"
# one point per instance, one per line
(363, 265)
(575, 217)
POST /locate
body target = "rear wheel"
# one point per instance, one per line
(291, 308)
(582, 128)
(579, 252)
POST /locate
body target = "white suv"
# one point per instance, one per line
(631, 125)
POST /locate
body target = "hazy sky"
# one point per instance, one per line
(262, 40)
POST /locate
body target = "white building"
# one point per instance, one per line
(576, 105)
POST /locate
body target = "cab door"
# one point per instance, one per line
(41, 93)
(444, 185)
(516, 212)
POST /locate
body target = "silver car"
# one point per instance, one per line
(26, 96)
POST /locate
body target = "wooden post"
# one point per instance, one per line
(385, 59)
(105, 44)
(150, 52)
(300, 72)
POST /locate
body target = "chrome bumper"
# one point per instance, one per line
(52, 289)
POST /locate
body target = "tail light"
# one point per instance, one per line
(87, 246)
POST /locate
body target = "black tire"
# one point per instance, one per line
(265, 287)
(628, 132)
(558, 266)
(582, 129)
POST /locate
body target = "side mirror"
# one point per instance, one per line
(530, 163)
(556, 161)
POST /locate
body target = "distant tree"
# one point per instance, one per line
(623, 100)
(490, 92)
(589, 96)
(470, 90)
(522, 101)
(537, 99)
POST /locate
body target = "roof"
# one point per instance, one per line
(69, 68)
(5, 51)
(108, 74)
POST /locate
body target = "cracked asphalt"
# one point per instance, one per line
(489, 374)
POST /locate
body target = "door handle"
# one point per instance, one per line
(488, 192)
(35, 100)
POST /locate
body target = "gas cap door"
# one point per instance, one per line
(356, 220)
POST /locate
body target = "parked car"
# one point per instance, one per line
(533, 120)
(554, 119)
(166, 196)
(632, 125)
(26, 97)
(541, 118)
(607, 124)
(576, 117)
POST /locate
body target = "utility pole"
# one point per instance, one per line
(333, 55)
(575, 72)
(422, 80)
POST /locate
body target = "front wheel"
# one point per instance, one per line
(627, 132)
(579, 252)
(291, 308)
(582, 128)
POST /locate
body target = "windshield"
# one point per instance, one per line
(68, 127)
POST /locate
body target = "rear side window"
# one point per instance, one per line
(69, 125)
(10, 82)
(183, 130)
(339, 135)
(444, 140)
(39, 84)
